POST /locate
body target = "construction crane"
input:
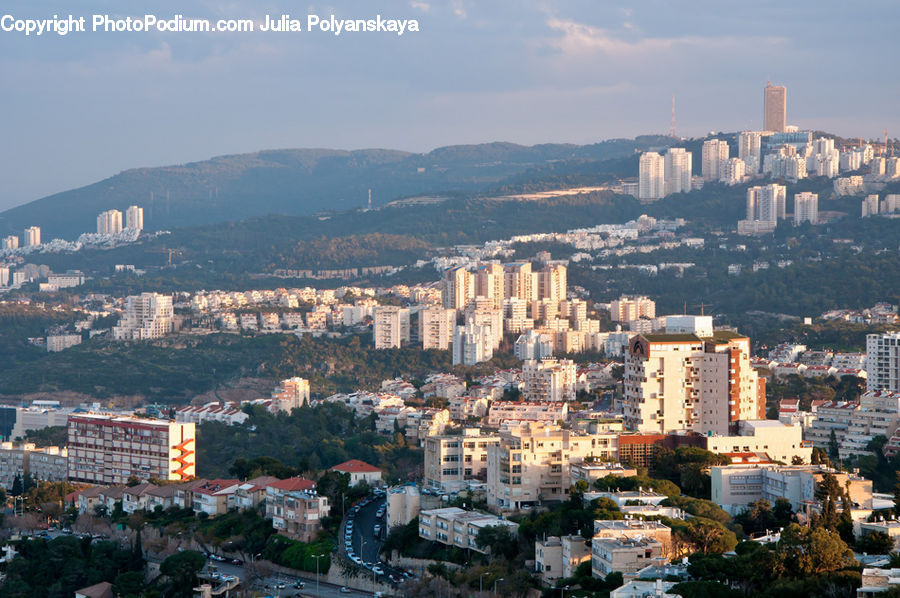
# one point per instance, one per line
(171, 252)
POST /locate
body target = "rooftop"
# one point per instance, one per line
(356, 466)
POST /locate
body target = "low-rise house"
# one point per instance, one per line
(134, 498)
(627, 555)
(183, 498)
(88, 499)
(557, 557)
(162, 497)
(295, 509)
(250, 494)
(457, 527)
(212, 497)
(875, 581)
(360, 472)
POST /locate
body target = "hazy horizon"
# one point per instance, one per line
(86, 106)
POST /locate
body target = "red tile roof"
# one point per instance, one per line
(356, 466)
(292, 484)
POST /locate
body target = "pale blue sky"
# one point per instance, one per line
(83, 107)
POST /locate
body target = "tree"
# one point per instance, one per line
(498, 540)
(710, 537)
(875, 543)
(16, 489)
(811, 551)
(181, 568)
(833, 445)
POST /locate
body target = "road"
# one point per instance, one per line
(327, 590)
(365, 543)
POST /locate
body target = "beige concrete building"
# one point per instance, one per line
(779, 441)
(457, 527)
(48, 464)
(489, 283)
(290, 394)
(436, 326)
(403, 504)
(552, 380)
(590, 471)
(458, 288)
(531, 463)
(451, 461)
(677, 382)
(626, 555)
(502, 412)
(556, 557)
(390, 327)
(626, 309)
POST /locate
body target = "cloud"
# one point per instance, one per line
(423, 6)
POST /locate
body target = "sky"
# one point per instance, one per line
(79, 108)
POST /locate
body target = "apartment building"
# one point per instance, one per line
(627, 555)
(531, 463)
(290, 394)
(109, 222)
(451, 461)
(779, 441)
(684, 381)
(625, 308)
(213, 496)
(463, 409)
(422, 423)
(736, 486)
(48, 464)
(436, 326)
(106, 449)
(295, 509)
(502, 412)
(558, 557)
(883, 361)
(457, 527)
(855, 424)
(549, 380)
(147, 316)
(390, 327)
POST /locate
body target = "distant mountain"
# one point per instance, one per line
(298, 182)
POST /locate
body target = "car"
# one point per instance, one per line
(377, 529)
(356, 560)
(281, 585)
(377, 570)
(346, 590)
(298, 585)
(237, 562)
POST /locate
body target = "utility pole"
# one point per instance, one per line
(317, 557)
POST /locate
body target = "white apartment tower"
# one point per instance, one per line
(766, 203)
(806, 208)
(458, 288)
(883, 361)
(134, 218)
(552, 282)
(11, 242)
(32, 236)
(750, 150)
(715, 153)
(677, 171)
(704, 384)
(519, 281)
(732, 171)
(147, 316)
(109, 222)
(651, 177)
(489, 283)
(626, 309)
(472, 343)
(390, 327)
(549, 380)
(436, 326)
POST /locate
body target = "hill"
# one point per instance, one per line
(303, 181)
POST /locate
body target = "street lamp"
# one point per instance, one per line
(317, 557)
(495, 585)
(481, 582)
(562, 591)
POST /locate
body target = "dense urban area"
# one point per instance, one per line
(619, 373)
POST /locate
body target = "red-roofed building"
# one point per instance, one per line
(250, 493)
(212, 497)
(360, 472)
(295, 509)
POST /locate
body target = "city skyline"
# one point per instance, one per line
(574, 73)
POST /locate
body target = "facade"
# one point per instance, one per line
(677, 170)
(458, 288)
(651, 177)
(715, 154)
(297, 514)
(147, 316)
(489, 283)
(775, 109)
(109, 222)
(134, 218)
(32, 236)
(678, 382)
(48, 464)
(402, 505)
(627, 555)
(436, 326)
(451, 461)
(390, 327)
(766, 203)
(109, 450)
(457, 527)
(290, 394)
(60, 342)
(854, 425)
(626, 309)
(558, 557)
(526, 411)
(549, 380)
(806, 208)
(360, 472)
(883, 361)
(749, 150)
(531, 463)
(10, 242)
(473, 343)
(779, 441)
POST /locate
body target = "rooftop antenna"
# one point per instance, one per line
(672, 124)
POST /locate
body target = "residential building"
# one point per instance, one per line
(473, 343)
(230, 414)
(520, 282)
(464, 409)
(402, 505)
(749, 150)
(869, 206)
(109, 222)
(48, 464)
(627, 308)
(715, 154)
(651, 177)
(147, 316)
(775, 110)
(32, 236)
(678, 382)
(452, 461)
(390, 328)
(626, 555)
(134, 218)
(883, 361)
(457, 527)
(290, 394)
(70, 279)
(779, 441)
(60, 342)
(135, 498)
(10, 242)
(591, 471)
(360, 472)
(436, 326)
(876, 581)
(533, 345)
(106, 449)
(548, 380)
(213, 496)
(766, 203)
(531, 463)
(295, 509)
(558, 557)
(489, 283)
(423, 423)
(502, 412)
(677, 170)
(806, 208)
(552, 283)
(732, 171)
(458, 288)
